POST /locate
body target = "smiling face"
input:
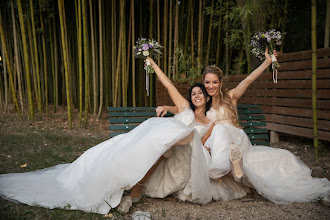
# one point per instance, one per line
(212, 83)
(198, 97)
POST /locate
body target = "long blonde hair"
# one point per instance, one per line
(223, 99)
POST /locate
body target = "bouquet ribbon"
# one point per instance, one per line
(274, 68)
(147, 75)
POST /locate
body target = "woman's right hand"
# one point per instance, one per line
(161, 111)
(152, 62)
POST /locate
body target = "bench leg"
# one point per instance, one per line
(274, 137)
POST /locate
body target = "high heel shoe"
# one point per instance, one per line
(236, 162)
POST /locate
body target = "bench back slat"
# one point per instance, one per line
(251, 118)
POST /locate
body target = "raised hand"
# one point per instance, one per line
(161, 111)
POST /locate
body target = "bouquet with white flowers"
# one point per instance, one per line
(270, 39)
(144, 48)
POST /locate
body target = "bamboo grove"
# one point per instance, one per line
(79, 54)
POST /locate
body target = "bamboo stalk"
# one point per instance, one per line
(314, 79)
(133, 58)
(27, 66)
(165, 37)
(327, 26)
(209, 37)
(18, 68)
(199, 56)
(176, 39)
(170, 41)
(65, 58)
(44, 57)
(36, 59)
(101, 59)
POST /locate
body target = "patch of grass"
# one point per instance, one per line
(38, 147)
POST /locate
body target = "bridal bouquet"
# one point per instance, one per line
(270, 39)
(144, 48)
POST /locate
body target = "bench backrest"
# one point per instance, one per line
(124, 119)
(252, 120)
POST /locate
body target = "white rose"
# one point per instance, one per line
(145, 53)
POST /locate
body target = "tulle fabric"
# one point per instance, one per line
(277, 174)
(96, 180)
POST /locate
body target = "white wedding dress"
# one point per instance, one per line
(276, 174)
(96, 180)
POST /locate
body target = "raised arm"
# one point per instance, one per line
(236, 93)
(179, 101)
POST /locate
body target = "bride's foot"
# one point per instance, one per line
(125, 204)
(135, 193)
(236, 162)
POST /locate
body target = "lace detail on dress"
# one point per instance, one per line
(200, 128)
(218, 117)
(187, 116)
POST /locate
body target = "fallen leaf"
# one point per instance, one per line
(23, 165)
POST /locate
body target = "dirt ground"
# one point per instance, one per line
(253, 206)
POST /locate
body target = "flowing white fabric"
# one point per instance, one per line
(97, 179)
(277, 174)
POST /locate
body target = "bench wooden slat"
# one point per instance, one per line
(113, 134)
(253, 130)
(131, 109)
(253, 123)
(122, 127)
(131, 114)
(126, 120)
(260, 142)
(258, 136)
(251, 117)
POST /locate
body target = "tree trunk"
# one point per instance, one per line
(101, 60)
(26, 62)
(314, 79)
(36, 60)
(176, 39)
(65, 58)
(217, 61)
(165, 37)
(199, 56)
(151, 79)
(18, 68)
(227, 36)
(44, 57)
(4, 61)
(119, 56)
(170, 41)
(327, 26)
(133, 58)
(93, 58)
(209, 37)
(56, 66)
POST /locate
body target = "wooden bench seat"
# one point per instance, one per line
(251, 118)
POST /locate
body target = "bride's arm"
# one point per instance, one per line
(179, 101)
(236, 93)
(208, 134)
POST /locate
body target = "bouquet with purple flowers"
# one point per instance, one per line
(144, 48)
(270, 39)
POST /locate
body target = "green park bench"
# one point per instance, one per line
(251, 118)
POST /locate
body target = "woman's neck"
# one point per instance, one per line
(200, 111)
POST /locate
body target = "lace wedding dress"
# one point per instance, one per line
(276, 174)
(96, 180)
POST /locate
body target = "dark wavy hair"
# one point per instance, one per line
(202, 87)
